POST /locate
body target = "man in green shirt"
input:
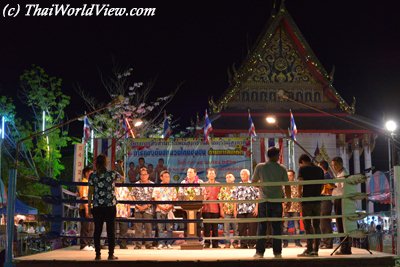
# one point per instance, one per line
(271, 171)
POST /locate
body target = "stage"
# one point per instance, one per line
(175, 257)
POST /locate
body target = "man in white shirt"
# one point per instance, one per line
(340, 173)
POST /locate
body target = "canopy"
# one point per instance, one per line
(378, 188)
(21, 208)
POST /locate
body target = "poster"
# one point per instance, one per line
(223, 154)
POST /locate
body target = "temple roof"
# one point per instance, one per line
(280, 60)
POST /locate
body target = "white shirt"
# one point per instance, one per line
(338, 191)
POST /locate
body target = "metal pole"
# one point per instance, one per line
(251, 154)
(1, 174)
(125, 162)
(391, 193)
(12, 183)
(396, 170)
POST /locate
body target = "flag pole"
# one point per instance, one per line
(251, 155)
(86, 153)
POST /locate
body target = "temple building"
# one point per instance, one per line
(281, 73)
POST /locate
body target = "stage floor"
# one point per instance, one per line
(72, 256)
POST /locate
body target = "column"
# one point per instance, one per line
(356, 162)
(366, 143)
(343, 150)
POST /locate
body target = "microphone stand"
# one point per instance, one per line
(12, 182)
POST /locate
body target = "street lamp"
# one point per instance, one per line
(270, 119)
(391, 127)
(138, 123)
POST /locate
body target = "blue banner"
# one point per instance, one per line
(223, 154)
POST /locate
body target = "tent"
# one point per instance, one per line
(21, 208)
(378, 188)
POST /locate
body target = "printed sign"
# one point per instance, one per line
(223, 154)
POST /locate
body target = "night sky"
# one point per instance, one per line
(196, 42)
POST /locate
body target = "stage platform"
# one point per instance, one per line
(175, 257)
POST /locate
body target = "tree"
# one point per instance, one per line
(42, 94)
(116, 121)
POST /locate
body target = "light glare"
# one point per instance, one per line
(391, 126)
(270, 120)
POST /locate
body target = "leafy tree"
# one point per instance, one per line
(42, 93)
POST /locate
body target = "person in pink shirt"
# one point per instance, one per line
(211, 210)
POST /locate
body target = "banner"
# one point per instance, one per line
(78, 162)
(223, 154)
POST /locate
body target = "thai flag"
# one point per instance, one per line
(86, 129)
(252, 129)
(167, 131)
(293, 128)
(106, 147)
(207, 128)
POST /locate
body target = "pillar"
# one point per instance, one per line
(356, 165)
(367, 146)
(343, 150)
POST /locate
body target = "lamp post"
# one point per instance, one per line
(272, 121)
(391, 127)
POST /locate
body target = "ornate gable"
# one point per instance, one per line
(281, 60)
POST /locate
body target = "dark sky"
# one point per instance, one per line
(196, 41)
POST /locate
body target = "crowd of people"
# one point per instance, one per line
(102, 197)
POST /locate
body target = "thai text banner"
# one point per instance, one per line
(223, 154)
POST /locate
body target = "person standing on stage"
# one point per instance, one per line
(102, 189)
(226, 210)
(152, 174)
(340, 173)
(141, 164)
(123, 211)
(246, 210)
(211, 211)
(143, 211)
(271, 171)
(162, 210)
(326, 207)
(307, 172)
(292, 211)
(86, 227)
(187, 192)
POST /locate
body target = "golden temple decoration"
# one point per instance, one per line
(275, 59)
